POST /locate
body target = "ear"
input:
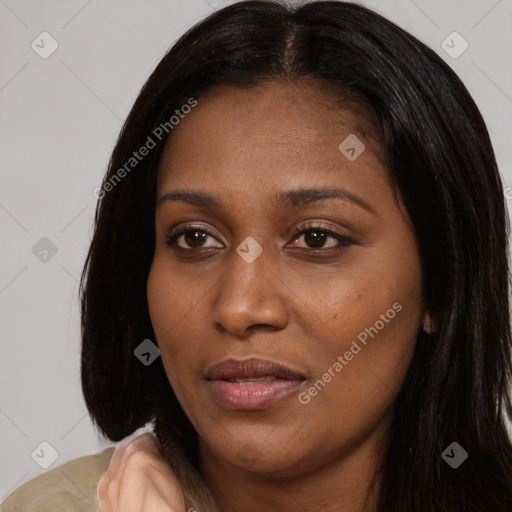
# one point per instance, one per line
(427, 323)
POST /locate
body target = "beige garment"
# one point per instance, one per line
(68, 487)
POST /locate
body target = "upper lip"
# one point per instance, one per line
(251, 368)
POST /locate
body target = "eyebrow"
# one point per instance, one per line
(285, 199)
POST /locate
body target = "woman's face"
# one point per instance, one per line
(245, 283)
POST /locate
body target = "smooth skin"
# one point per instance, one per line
(302, 302)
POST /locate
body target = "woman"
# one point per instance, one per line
(303, 212)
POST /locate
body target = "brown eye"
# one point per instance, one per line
(317, 237)
(192, 238)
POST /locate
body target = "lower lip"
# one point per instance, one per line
(252, 395)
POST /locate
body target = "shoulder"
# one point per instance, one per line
(68, 487)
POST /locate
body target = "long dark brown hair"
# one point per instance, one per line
(440, 159)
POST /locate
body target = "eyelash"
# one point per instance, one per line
(344, 241)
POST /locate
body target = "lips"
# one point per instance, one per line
(251, 383)
(251, 369)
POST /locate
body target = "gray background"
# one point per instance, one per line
(60, 118)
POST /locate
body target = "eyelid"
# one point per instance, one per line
(172, 234)
(316, 224)
(185, 227)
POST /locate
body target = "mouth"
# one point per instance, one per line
(251, 383)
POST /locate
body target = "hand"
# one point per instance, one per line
(139, 479)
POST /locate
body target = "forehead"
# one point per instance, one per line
(273, 133)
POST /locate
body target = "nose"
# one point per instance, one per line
(250, 296)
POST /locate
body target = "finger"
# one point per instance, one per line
(102, 489)
(145, 478)
(107, 489)
(156, 493)
(120, 451)
(146, 442)
(139, 474)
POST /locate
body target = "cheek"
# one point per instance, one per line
(371, 319)
(164, 309)
(174, 305)
(174, 298)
